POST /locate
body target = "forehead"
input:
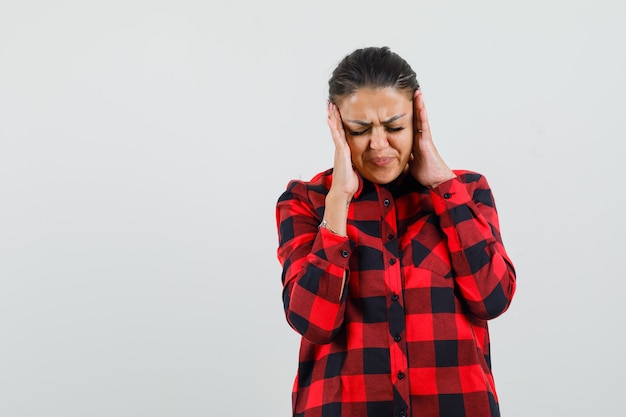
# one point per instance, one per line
(368, 103)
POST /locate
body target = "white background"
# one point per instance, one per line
(143, 145)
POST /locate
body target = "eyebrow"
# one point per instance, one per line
(386, 122)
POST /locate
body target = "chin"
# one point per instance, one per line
(383, 179)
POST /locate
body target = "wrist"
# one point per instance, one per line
(438, 183)
(324, 225)
(336, 213)
(336, 191)
(337, 198)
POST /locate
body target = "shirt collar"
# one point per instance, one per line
(393, 184)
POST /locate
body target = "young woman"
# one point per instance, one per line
(392, 262)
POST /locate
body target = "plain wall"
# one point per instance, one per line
(143, 145)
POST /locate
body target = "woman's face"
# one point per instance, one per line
(379, 129)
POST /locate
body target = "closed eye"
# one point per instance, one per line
(362, 132)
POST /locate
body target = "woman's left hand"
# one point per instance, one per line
(426, 165)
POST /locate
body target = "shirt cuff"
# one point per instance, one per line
(448, 195)
(334, 248)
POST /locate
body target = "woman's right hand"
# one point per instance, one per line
(345, 181)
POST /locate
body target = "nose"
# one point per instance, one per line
(378, 139)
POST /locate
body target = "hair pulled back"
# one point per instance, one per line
(372, 67)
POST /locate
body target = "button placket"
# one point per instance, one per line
(393, 281)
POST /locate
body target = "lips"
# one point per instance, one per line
(381, 161)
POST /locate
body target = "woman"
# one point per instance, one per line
(392, 262)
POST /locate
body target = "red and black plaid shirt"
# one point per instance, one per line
(408, 336)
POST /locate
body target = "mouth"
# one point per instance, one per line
(381, 161)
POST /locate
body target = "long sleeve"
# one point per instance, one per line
(484, 274)
(314, 264)
(424, 270)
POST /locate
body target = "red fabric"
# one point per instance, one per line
(425, 269)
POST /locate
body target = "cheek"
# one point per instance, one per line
(356, 149)
(406, 145)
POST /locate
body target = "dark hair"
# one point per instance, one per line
(372, 67)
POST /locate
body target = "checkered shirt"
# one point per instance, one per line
(408, 335)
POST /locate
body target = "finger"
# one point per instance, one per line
(421, 117)
(336, 126)
(332, 121)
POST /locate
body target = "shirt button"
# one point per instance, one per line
(394, 297)
(345, 253)
(386, 203)
(397, 338)
(447, 195)
(392, 261)
(400, 375)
